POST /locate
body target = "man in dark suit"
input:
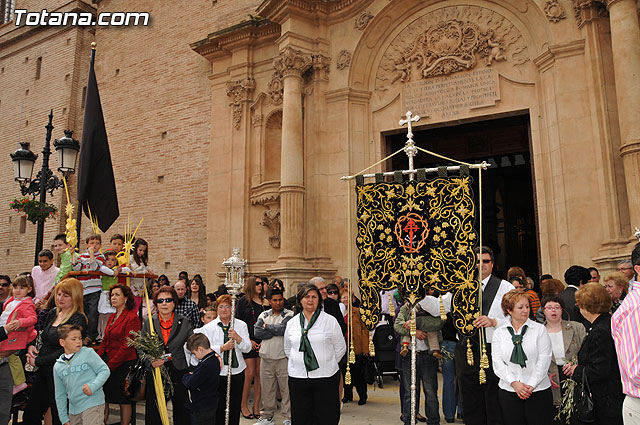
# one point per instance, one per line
(329, 305)
(575, 277)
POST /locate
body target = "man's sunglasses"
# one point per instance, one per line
(164, 300)
(332, 292)
(486, 261)
(4, 284)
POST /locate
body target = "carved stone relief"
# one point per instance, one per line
(239, 91)
(344, 59)
(291, 61)
(271, 220)
(275, 88)
(554, 11)
(362, 20)
(449, 40)
(585, 10)
(267, 195)
(321, 65)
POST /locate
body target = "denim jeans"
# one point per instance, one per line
(449, 397)
(427, 374)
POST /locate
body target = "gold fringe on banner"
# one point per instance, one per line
(469, 353)
(443, 313)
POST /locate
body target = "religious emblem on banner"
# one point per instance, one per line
(418, 235)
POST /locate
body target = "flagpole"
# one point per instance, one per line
(80, 207)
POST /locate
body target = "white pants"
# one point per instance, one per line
(631, 411)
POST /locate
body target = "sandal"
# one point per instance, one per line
(251, 416)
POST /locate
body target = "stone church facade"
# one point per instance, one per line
(231, 123)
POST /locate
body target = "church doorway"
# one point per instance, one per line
(509, 209)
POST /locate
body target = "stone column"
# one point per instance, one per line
(291, 64)
(625, 42)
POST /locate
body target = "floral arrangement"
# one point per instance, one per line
(33, 210)
(149, 349)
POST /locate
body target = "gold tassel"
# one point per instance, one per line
(392, 308)
(469, 353)
(482, 377)
(347, 376)
(372, 348)
(352, 355)
(443, 313)
(484, 360)
(484, 364)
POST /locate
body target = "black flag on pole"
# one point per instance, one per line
(96, 183)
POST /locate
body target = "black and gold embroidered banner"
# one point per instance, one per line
(418, 235)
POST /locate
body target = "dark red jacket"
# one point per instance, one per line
(114, 341)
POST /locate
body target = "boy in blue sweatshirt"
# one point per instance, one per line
(79, 375)
(202, 383)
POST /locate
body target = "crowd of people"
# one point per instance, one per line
(69, 346)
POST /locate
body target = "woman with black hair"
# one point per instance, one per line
(314, 344)
(197, 292)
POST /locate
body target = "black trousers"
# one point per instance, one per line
(536, 410)
(237, 382)
(357, 379)
(41, 397)
(479, 407)
(178, 400)
(205, 417)
(315, 401)
(90, 302)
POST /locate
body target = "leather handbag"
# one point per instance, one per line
(586, 413)
(135, 383)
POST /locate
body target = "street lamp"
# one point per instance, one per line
(23, 161)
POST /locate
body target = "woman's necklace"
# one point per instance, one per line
(253, 313)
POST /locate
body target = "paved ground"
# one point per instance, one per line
(383, 407)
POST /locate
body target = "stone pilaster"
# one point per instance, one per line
(291, 64)
(625, 41)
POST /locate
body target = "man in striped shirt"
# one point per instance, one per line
(625, 329)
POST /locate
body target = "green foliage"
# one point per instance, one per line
(150, 348)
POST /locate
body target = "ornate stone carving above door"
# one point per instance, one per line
(554, 11)
(449, 40)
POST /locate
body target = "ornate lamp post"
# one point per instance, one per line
(45, 181)
(234, 280)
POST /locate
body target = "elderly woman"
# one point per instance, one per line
(174, 330)
(617, 286)
(597, 357)
(68, 311)
(248, 309)
(115, 352)
(314, 344)
(223, 340)
(521, 354)
(566, 340)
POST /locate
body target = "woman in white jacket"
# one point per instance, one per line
(521, 352)
(314, 344)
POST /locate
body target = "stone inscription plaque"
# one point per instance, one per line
(453, 96)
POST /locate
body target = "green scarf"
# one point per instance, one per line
(310, 361)
(517, 355)
(225, 357)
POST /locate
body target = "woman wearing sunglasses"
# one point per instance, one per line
(174, 330)
(333, 291)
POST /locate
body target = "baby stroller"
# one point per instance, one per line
(384, 341)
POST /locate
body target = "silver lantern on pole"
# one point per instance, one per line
(234, 281)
